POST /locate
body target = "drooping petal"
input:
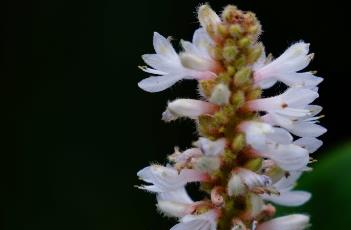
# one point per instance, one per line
(290, 222)
(288, 198)
(158, 83)
(163, 179)
(309, 143)
(206, 221)
(180, 195)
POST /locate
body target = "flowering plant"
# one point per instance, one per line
(246, 156)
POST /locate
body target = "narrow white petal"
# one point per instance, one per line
(289, 198)
(297, 97)
(163, 46)
(309, 143)
(163, 64)
(164, 179)
(307, 129)
(158, 83)
(295, 58)
(290, 222)
(180, 195)
(306, 80)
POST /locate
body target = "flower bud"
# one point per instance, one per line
(208, 19)
(187, 108)
(220, 94)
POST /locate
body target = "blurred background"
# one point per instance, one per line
(77, 128)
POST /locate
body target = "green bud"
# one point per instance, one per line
(242, 76)
(238, 99)
(240, 62)
(255, 53)
(254, 164)
(238, 142)
(229, 156)
(229, 53)
(235, 30)
(223, 30)
(244, 42)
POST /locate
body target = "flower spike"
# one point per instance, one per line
(250, 150)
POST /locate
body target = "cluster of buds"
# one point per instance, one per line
(251, 149)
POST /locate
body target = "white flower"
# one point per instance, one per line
(259, 134)
(206, 221)
(185, 156)
(290, 222)
(285, 69)
(211, 148)
(168, 65)
(303, 126)
(243, 179)
(293, 102)
(279, 148)
(286, 196)
(187, 108)
(164, 179)
(196, 54)
(175, 203)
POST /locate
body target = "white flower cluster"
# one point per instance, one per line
(268, 137)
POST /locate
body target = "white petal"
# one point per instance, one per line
(306, 80)
(290, 222)
(202, 41)
(256, 134)
(206, 221)
(307, 129)
(163, 179)
(252, 180)
(163, 64)
(280, 136)
(292, 99)
(297, 97)
(267, 83)
(287, 183)
(309, 143)
(180, 195)
(289, 198)
(288, 157)
(183, 157)
(295, 58)
(173, 209)
(159, 83)
(163, 46)
(211, 148)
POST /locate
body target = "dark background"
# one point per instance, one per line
(77, 128)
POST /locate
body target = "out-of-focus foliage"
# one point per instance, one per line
(330, 185)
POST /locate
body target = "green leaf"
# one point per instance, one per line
(330, 185)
